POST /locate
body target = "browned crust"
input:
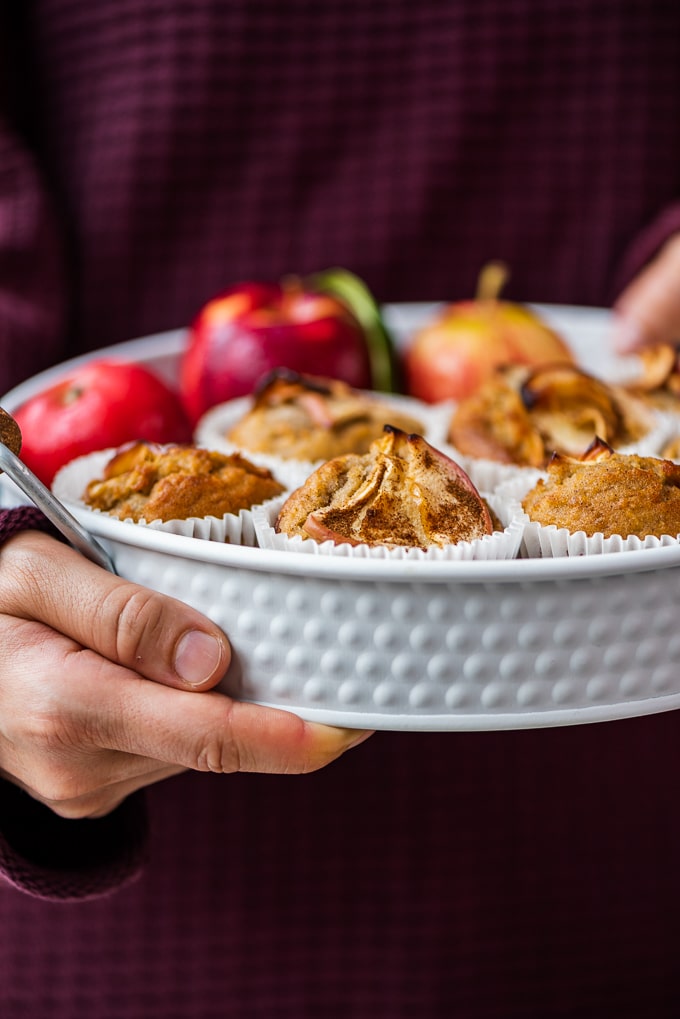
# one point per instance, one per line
(612, 493)
(176, 482)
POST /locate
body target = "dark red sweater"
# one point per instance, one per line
(151, 152)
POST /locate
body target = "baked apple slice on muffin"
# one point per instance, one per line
(402, 492)
(302, 417)
(523, 416)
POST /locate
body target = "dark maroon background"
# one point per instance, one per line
(152, 152)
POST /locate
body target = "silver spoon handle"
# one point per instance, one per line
(54, 510)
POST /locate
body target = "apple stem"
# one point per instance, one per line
(492, 279)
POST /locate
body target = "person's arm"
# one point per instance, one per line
(107, 688)
(40, 852)
(647, 309)
(52, 857)
(33, 278)
(55, 858)
(96, 700)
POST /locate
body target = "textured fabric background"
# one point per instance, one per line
(151, 152)
(161, 150)
(470, 875)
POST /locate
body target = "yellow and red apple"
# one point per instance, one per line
(451, 356)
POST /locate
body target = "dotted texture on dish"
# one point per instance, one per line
(406, 655)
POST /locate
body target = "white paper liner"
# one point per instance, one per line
(438, 420)
(499, 545)
(487, 475)
(233, 528)
(212, 429)
(540, 541)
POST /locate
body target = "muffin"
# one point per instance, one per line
(303, 417)
(670, 450)
(659, 383)
(144, 481)
(401, 493)
(608, 493)
(522, 416)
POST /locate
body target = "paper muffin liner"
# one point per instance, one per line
(540, 541)
(503, 544)
(487, 475)
(438, 419)
(212, 429)
(233, 528)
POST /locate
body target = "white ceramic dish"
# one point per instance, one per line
(422, 645)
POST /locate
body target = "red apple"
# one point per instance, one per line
(254, 327)
(99, 404)
(450, 357)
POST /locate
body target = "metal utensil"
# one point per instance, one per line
(40, 495)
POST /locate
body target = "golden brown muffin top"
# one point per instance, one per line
(302, 417)
(145, 481)
(609, 493)
(403, 492)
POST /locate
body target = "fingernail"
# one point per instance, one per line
(353, 737)
(627, 336)
(197, 656)
(359, 737)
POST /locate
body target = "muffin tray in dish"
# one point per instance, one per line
(420, 645)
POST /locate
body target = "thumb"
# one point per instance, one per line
(647, 312)
(155, 636)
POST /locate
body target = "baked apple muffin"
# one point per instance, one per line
(401, 493)
(302, 417)
(659, 382)
(604, 492)
(671, 448)
(144, 481)
(522, 416)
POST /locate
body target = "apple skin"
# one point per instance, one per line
(100, 404)
(450, 357)
(253, 327)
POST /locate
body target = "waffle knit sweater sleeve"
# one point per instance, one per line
(55, 858)
(646, 243)
(33, 288)
(64, 860)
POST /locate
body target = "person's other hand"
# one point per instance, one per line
(647, 312)
(107, 687)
